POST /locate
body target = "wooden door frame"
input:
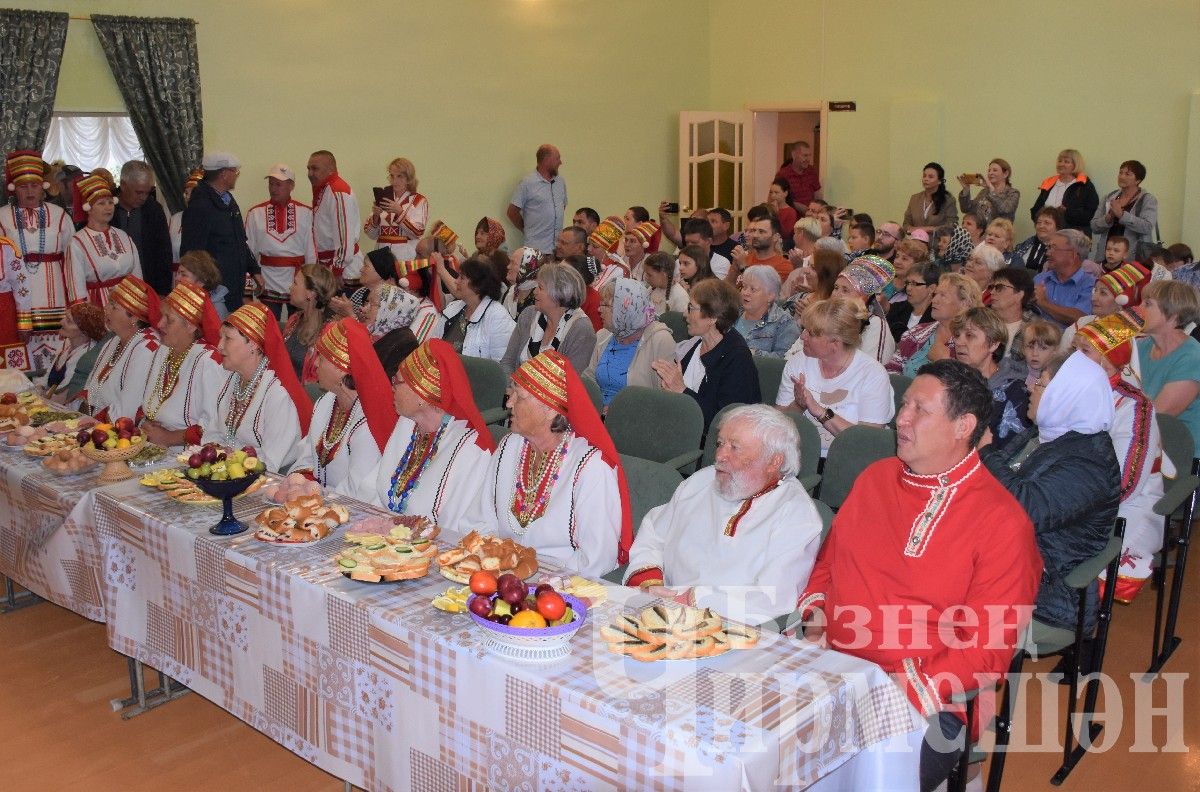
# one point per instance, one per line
(802, 107)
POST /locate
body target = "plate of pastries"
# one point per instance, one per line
(301, 520)
(476, 552)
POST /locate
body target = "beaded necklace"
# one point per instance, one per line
(239, 403)
(535, 482)
(42, 222)
(331, 438)
(164, 382)
(108, 366)
(421, 448)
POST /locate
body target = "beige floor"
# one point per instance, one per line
(57, 730)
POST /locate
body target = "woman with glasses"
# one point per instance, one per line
(1011, 297)
(955, 294)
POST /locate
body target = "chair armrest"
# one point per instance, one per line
(810, 482)
(1087, 571)
(616, 575)
(790, 622)
(684, 459)
(1176, 495)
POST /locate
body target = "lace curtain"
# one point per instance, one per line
(91, 142)
(31, 49)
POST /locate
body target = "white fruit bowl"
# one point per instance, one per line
(532, 644)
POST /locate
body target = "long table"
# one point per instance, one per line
(376, 687)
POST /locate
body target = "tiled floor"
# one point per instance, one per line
(57, 730)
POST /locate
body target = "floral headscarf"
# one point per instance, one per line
(397, 307)
(632, 308)
(495, 233)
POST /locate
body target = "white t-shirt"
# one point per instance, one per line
(860, 394)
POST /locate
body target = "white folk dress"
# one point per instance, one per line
(270, 423)
(448, 487)
(43, 236)
(280, 238)
(192, 400)
(118, 379)
(99, 260)
(581, 524)
(352, 457)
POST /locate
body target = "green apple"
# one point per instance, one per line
(236, 471)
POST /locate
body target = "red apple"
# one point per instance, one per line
(208, 455)
(99, 436)
(83, 436)
(250, 451)
(8, 398)
(195, 461)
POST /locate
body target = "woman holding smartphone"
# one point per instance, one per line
(398, 220)
(997, 199)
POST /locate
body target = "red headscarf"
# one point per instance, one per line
(435, 373)
(193, 304)
(347, 345)
(550, 378)
(258, 324)
(135, 295)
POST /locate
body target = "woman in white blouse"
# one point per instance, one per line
(262, 404)
(352, 421)
(477, 324)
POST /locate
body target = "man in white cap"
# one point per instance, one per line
(279, 232)
(336, 222)
(212, 222)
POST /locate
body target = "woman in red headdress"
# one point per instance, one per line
(99, 255)
(263, 404)
(184, 375)
(114, 388)
(435, 460)
(352, 421)
(555, 483)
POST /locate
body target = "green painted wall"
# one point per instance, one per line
(962, 82)
(467, 89)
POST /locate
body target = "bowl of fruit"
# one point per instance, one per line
(113, 445)
(225, 473)
(522, 623)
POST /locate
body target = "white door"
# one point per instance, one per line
(716, 155)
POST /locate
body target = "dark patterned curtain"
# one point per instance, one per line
(31, 50)
(157, 70)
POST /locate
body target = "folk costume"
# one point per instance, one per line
(907, 550)
(1138, 446)
(181, 390)
(280, 237)
(436, 475)
(336, 226)
(115, 386)
(401, 230)
(270, 410)
(14, 301)
(714, 545)
(100, 259)
(42, 235)
(573, 506)
(343, 446)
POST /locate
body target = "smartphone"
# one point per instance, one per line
(381, 193)
(672, 208)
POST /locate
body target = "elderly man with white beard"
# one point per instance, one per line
(741, 536)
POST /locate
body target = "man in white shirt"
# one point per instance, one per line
(336, 221)
(740, 536)
(279, 233)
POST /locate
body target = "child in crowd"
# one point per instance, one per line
(1116, 250)
(1041, 339)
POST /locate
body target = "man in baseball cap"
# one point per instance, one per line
(279, 233)
(212, 222)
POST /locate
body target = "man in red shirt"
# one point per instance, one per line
(931, 568)
(801, 175)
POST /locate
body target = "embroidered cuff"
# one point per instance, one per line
(646, 575)
(920, 688)
(810, 602)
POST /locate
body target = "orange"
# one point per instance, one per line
(123, 444)
(529, 619)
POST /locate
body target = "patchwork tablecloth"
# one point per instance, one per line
(375, 686)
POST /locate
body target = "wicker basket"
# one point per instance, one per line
(115, 460)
